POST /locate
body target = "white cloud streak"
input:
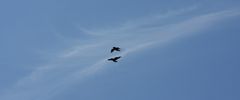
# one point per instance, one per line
(81, 61)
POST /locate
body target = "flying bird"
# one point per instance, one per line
(114, 59)
(115, 49)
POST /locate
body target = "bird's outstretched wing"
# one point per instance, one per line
(112, 50)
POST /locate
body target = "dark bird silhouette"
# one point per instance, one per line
(114, 59)
(115, 49)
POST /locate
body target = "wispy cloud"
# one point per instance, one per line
(81, 61)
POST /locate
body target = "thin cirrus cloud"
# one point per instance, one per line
(81, 61)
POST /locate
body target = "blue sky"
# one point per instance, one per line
(171, 50)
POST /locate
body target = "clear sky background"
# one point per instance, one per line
(171, 49)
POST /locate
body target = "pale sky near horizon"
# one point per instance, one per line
(171, 49)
